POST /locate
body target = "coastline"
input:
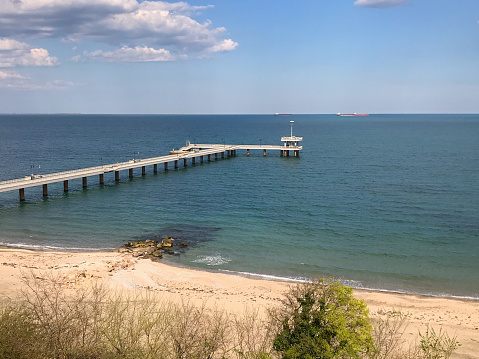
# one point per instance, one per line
(231, 291)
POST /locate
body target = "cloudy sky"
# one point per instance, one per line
(239, 56)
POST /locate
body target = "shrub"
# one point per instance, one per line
(323, 320)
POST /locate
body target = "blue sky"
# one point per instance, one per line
(239, 56)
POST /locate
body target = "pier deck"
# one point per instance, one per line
(189, 151)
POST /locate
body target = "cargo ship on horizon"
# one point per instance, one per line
(352, 114)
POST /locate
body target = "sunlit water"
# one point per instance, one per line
(388, 202)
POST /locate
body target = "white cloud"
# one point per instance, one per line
(225, 45)
(15, 53)
(19, 82)
(382, 4)
(128, 54)
(11, 75)
(129, 23)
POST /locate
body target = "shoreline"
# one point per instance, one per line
(268, 277)
(230, 291)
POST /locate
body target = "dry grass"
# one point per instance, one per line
(94, 323)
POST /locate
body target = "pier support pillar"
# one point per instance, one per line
(84, 182)
(281, 153)
(130, 172)
(222, 155)
(45, 190)
(117, 175)
(193, 160)
(247, 153)
(155, 168)
(176, 164)
(209, 158)
(201, 159)
(65, 186)
(228, 153)
(143, 170)
(216, 155)
(101, 178)
(286, 152)
(21, 194)
(184, 162)
(264, 152)
(166, 166)
(296, 153)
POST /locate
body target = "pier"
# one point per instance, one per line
(291, 147)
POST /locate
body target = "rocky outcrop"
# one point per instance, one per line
(152, 248)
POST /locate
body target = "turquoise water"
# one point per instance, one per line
(387, 202)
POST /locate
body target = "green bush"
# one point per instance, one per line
(323, 320)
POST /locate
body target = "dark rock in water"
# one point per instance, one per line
(157, 254)
(167, 242)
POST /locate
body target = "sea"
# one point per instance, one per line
(382, 202)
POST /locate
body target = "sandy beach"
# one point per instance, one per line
(231, 292)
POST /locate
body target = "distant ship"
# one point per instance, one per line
(283, 114)
(352, 114)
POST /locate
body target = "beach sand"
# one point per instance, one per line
(231, 292)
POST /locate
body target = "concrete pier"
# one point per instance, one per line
(291, 143)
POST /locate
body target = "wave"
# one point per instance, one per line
(39, 247)
(350, 283)
(213, 260)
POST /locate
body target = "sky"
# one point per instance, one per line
(239, 56)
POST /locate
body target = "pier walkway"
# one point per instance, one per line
(193, 151)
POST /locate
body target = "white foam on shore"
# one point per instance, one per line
(214, 260)
(350, 283)
(266, 276)
(39, 247)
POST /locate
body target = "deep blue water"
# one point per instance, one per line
(387, 202)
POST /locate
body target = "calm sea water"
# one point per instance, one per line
(386, 202)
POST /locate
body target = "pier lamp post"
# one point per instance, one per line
(291, 122)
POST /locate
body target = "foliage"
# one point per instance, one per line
(323, 320)
(317, 320)
(437, 345)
